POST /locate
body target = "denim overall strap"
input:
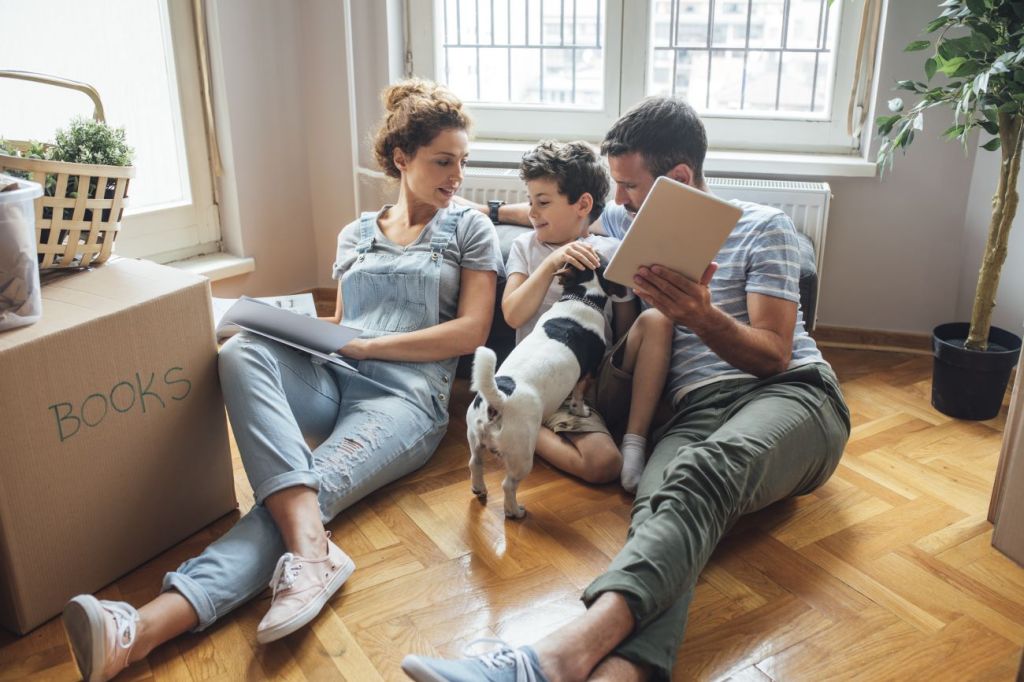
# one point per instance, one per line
(438, 243)
(445, 233)
(392, 291)
(367, 236)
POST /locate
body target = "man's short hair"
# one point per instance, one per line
(665, 131)
(574, 166)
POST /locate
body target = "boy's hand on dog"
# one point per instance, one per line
(681, 299)
(579, 255)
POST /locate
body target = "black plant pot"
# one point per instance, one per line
(970, 384)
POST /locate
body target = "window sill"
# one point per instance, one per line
(216, 266)
(508, 154)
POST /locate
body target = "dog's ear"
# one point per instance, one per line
(613, 289)
(570, 276)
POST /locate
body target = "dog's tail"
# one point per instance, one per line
(484, 362)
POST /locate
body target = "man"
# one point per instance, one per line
(758, 417)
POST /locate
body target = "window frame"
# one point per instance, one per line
(494, 121)
(628, 85)
(191, 227)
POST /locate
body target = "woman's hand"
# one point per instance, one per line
(357, 349)
(578, 254)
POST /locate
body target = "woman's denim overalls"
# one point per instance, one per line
(373, 426)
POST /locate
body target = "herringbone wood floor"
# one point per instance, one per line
(886, 572)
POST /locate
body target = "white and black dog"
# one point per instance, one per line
(564, 349)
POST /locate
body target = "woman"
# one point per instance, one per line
(419, 279)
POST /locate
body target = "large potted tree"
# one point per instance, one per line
(978, 53)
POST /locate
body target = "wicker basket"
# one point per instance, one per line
(79, 215)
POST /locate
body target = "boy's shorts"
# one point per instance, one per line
(608, 399)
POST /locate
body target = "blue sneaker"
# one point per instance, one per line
(504, 664)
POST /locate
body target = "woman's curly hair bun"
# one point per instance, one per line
(416, 111)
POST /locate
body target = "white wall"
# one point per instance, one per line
(329, 131)
(892, 260)
(281, 93)
(1009, 310)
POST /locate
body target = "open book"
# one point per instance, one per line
(319, 338)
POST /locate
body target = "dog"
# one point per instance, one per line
(558, 358)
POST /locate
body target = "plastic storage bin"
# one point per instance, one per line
(20, 300)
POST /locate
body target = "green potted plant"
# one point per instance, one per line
(979, 50)
(85, 154)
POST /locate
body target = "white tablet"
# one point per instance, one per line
(678, 227)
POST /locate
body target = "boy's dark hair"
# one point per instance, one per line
(574, 166)
(666, 131)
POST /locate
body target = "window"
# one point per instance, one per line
(141, 57)
(764, 74)
(545, 65)
(553, 56)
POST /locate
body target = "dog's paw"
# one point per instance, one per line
(515, 514)
(480, 494)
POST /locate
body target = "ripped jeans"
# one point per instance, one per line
(276, 398)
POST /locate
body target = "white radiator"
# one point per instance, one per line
(806, 203)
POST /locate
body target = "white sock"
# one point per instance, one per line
(634, 458)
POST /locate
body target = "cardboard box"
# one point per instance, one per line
(1007, 508)
(113, 436)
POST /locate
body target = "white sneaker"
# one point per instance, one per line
(101, 634)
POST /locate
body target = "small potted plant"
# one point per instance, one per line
(84, 174)
(979, 49)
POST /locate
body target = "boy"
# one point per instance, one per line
(567, 187)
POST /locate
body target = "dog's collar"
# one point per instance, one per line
(586, 300)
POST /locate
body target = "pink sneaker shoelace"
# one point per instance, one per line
(287, 570)
(125, 621)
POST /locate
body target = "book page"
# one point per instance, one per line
(315, 336)
(296, 303)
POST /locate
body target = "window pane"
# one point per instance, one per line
(692, 76)
(766, 23)
(589, 77)
(730, 24)
(726, 80)
(462, 71)
(692, 23)
(762, 77)
(494, 63)
(796, 81)
(749, 41)
(525, 76)
(123, 49)
(660, 82)
(805, 17)
(544, 51)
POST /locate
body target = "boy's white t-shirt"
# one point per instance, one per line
(526, 255)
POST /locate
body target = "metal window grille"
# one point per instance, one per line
(547, 52)
(745, 55)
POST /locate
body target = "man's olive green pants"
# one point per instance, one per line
(731, 448)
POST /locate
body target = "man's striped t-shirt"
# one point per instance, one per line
(760, 256)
